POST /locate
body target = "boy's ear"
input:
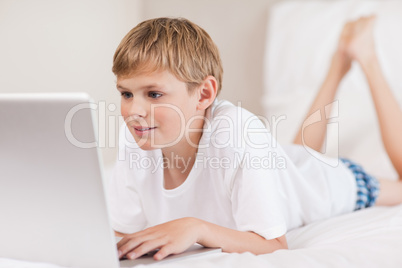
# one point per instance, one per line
(207, 92)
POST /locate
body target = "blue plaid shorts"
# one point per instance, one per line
(368, 186)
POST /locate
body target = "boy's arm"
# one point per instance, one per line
(237, 241)
(176, 236)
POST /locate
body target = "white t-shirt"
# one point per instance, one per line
(241, 179)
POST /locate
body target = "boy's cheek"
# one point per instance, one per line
(123, 112)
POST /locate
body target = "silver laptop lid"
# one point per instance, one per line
(52, 201)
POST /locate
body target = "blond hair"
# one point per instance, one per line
(173, 44)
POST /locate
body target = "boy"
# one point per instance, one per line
(202, 170)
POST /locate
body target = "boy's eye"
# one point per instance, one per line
(154, 95)
(126, 95)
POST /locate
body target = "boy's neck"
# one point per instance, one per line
(177, 167)
(179, 159)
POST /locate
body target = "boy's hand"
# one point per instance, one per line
(170, 238)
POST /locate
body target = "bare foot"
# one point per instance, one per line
(357, 39)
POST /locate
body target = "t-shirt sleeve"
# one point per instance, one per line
(255, 204)
(256, 198)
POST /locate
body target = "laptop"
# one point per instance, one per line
(53, 205)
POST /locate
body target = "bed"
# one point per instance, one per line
(368, 238)
(294, 70)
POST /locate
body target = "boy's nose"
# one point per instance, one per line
(138, 108)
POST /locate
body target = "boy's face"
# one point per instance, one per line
(157, 109)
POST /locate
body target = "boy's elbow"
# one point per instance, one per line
(282, 242)
(271, 245)
(276, 244)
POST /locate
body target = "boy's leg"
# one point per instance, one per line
(388, 113)
(314, 135)
(390, 193)
(361, 48)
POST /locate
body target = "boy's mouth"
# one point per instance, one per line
(143, 130)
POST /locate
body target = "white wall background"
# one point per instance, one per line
(63, 46)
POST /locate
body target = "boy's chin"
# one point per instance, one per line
(147, 146)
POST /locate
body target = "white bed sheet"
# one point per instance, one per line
(368, 238)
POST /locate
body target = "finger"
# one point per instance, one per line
(123, 241)
(134, 242)
(145, 248)
(127, 238)
(130, 244)
(164, 251)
